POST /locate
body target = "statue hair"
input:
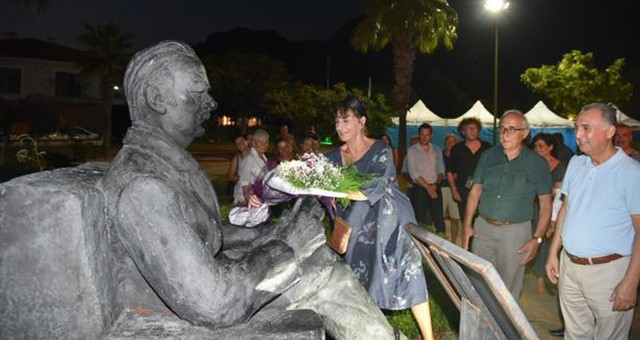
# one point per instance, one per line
(152, 66)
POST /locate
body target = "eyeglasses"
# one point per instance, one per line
(509, 130)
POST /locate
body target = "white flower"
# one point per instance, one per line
(311, 171)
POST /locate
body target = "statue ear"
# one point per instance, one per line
(155, 99)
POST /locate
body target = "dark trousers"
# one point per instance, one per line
(425, 206)
(420, 217)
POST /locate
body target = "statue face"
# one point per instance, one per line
(183, 120)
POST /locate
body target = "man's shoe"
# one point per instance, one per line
(557, 332)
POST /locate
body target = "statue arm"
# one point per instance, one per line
(156, 228)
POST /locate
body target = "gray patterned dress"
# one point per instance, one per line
(380, 252)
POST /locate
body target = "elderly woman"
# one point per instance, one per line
(380, 252)
(253, 166)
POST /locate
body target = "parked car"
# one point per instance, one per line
(71, 133)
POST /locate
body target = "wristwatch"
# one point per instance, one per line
(538, 239)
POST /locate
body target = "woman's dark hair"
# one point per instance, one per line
(282, 139)
(547, 138)
(353, 104)
(388, 138)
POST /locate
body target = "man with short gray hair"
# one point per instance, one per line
(597, 227)
(623, 140)
(507, 180)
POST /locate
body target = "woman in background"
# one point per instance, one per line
(284, 152)
(380, 252)
(544, 144)
(396, 158)
(242, 148)
(449, 205)
(310, 144)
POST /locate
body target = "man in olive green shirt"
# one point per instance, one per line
(506, 182)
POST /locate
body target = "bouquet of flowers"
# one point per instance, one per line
(314, 174)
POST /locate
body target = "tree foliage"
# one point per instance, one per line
(106, 56)
(107, 52)
(306, 105)
(240, 80)
(575, 81)
(409, 26)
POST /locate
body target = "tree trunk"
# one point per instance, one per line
(404, 56)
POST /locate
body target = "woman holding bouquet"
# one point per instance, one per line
(380, 252)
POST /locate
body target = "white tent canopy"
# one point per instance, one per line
(420, 113)
(623, 118)
(476, 111)
(541, 116)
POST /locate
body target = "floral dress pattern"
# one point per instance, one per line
(380, 252)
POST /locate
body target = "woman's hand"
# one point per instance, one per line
(253, 201)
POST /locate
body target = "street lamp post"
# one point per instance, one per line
(495, 7)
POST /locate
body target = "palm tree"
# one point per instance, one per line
(409, 26)
(106, 57)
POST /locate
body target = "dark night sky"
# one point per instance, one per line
(188, 20)
(532, 32)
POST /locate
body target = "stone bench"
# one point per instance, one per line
(61, 271)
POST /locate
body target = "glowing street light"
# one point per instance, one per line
(495, 7)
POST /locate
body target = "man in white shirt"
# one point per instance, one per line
(426, 168)
(598, 269)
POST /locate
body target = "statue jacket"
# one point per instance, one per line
(164, 213)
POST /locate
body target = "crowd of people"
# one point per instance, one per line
(576, 218)
(513, 198)
(511, 202)
(380, 252)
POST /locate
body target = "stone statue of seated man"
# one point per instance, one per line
(162, 245)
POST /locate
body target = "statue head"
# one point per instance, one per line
(166, 86)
